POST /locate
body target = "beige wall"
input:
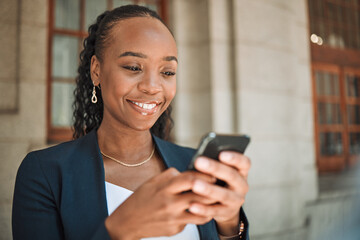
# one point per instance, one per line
(23, 41)
(245, 67)
(275, 107)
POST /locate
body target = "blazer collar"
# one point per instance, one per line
(171, 154)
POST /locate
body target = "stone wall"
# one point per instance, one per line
(245, 67)
(23, 40)
(335, 216)
(275, 108)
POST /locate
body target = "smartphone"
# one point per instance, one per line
(212, 144)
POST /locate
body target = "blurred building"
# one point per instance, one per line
(285, 72)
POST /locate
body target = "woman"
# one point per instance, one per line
(119, 179)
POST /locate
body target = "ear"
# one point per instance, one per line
(95, 70)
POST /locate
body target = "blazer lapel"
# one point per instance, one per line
(99, 172)
(173, 155)
(81, 190)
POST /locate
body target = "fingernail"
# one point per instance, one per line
(199, 186)
(226, 156)
(194, 209)
(202, 163)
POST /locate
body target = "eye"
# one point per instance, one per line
(168, 74)
(133, 68)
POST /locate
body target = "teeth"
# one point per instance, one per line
(145, 105)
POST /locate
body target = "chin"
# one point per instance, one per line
(143, 127)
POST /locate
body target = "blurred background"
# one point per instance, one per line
(285, 72)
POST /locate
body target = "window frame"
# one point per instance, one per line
(59, 134)
(340, 61)
(335, 162)
(339, 162)
(351, 128)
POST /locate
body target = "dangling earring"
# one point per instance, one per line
(94, 98)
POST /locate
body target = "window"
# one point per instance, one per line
(335, 56)
(336, 22)
(68, 23)
(337, 116)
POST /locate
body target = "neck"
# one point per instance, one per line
(125, 144)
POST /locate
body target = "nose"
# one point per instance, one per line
(150, 83)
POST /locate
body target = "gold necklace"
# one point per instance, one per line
(127, 164)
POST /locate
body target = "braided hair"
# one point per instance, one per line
(87, 115)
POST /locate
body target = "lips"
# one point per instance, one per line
(145, 105)
(145, 108)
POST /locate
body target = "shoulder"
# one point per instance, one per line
(52, 168)
(63, 158)
(64, 151)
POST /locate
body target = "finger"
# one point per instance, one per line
(190, 197)
(210, 210)
(236, 160)
(166, 175)
(159, 181)
(182, 201)
(219, 194)
(184, 181)
(201, 176)
(219, 170)
(188, 217)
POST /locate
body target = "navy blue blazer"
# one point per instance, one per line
(60, 191)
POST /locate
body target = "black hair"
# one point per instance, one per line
(87, 115)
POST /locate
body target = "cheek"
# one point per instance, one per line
(170, 90)
(122, 85)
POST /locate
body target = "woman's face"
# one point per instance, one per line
(137, 72)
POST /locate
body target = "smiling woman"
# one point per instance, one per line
(136, 73)
(119, 179)
(96, 50)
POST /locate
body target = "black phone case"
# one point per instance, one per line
(212, 144)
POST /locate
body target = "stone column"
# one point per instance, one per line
(274, 106)
(23, 59)
(192, 105)
(222, 64)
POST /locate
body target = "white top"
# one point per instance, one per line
(116, 195)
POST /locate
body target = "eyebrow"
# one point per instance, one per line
(140, 55)
(170, 58)
(133, 54)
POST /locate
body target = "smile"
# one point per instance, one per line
(145, 105)
(148, 108)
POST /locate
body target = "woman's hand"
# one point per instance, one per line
(159, 207)
(233, 169)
